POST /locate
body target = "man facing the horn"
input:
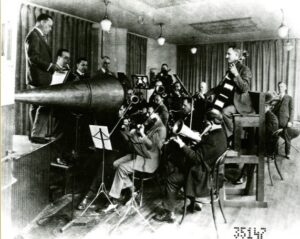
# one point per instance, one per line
(39, 70)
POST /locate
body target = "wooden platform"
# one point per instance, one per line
(281, 219)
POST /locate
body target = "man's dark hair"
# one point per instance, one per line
(235, 48)
(60, 52)
(165, 64)
(80, 59)
(43, 17)
(281, 82)
(188, 99)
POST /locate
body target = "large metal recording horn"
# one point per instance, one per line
(181, 129)
(101, 95)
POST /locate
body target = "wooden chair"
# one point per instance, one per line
(269, 158)
(214, 191)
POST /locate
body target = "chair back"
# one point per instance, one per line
(215, 172)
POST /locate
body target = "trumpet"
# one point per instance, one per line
(161, 91)
(134, 99)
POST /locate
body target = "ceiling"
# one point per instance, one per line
(190, 21)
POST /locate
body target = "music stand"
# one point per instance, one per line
(101, 140)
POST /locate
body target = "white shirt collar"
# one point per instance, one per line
(40, 31)
(79, 72)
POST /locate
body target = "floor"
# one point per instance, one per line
(280, 220)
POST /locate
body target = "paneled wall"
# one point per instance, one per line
(157, 55)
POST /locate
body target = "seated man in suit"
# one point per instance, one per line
(146, 143)
(105, 69)
(197, 162)
(284, 110)
(161, 109)
(165, 78)
(271, 123)
(237, 81)
(65, 74)
(202, 101)
(81, 72)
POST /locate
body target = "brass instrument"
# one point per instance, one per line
(181, 129)
(134, 99)
(160, 90)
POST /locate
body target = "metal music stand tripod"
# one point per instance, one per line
(100, 138)
(132, 204)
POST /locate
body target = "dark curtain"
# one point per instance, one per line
(268, 60)
(136, 54)
(68, 32)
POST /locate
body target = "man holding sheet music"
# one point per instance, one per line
(63, 61)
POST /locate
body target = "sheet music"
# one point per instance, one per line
(96, 136)
(58, 77)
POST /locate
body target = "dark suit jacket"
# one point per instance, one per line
(99, 74)
(284, 110)
(38, 59)
(241, 97)
(271, 126)
(163, 113)
(81, 77)
(201, 160)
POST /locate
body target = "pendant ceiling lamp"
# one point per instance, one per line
(106, 23)
(161, 40)
(283, 28)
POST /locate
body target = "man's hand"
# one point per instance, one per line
(289, 124)
(233, 70)
(142, 130)
(54, 67)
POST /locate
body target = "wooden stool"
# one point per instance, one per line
(68, 173)
(142, 177)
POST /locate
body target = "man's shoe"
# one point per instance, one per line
(110, 207)
(167, 216)
(84, 203)
(287, 156)
(39, 140)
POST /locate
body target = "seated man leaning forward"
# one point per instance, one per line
(197, 161)
(146, 142)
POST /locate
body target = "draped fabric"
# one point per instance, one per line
(268, 60)
(68, 32)
(136, 54)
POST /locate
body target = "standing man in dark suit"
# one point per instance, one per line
(39, 70)
(238, 79)
(284, 110)
(165, 78)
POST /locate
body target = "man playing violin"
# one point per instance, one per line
(145, 142)
(196, 162)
